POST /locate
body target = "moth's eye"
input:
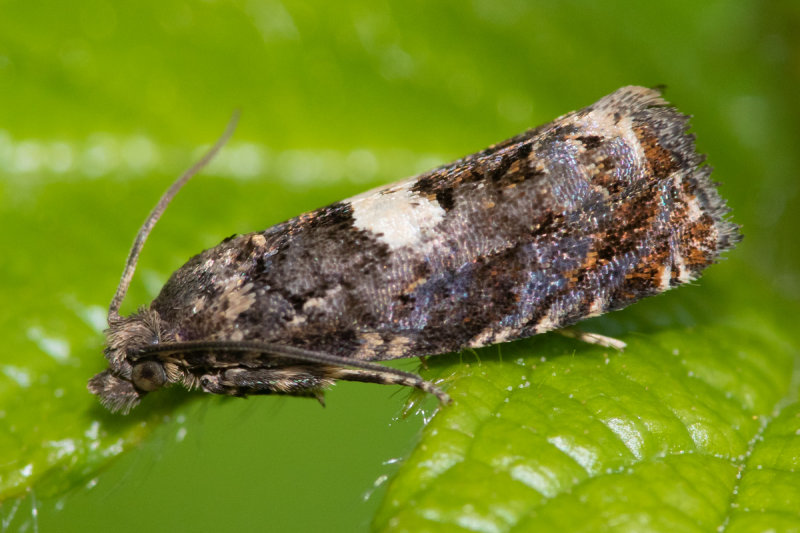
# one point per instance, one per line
(149, 376)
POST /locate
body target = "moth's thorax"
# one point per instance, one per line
(203, 299)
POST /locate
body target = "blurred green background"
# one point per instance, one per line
(102, 103)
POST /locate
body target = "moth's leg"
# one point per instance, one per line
(592, 338)
(391, 377)
(423, 361)
(293, 380)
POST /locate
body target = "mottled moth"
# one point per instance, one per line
(584, 215)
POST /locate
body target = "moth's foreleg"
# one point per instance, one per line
(294, 381)
(391, 376)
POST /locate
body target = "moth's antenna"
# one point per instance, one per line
(155, 214)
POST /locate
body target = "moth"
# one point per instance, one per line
(578, 217)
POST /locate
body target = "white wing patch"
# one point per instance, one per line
(397, 215)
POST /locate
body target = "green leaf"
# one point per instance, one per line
(681, 431)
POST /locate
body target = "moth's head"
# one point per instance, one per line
(128, 379)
